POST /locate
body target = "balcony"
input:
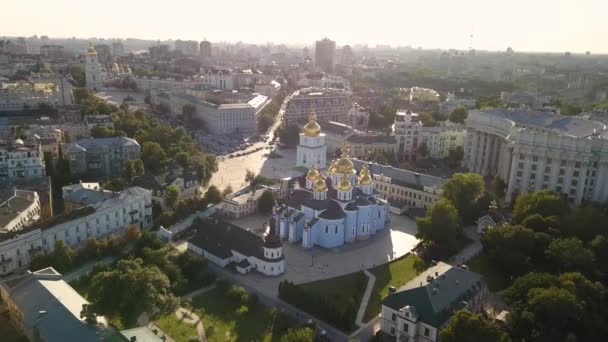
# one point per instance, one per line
(6, 261)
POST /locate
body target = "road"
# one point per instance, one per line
(86, 268)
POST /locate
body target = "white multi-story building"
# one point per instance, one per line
(418, 310)
(20, 210)
(423, 94)
(21, 161)
(22, 95)
(222, 112)
(525, 98)
(156, 83)
(407, 129)
(358, 116)
(454, 100)
(328, 104)
(113, 215)
(440, 140)
(533, 150)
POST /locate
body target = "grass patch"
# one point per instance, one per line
(175, 328)
(395, 273)
(495, 279)
(8, 331)
(236, 316)
(341, 289)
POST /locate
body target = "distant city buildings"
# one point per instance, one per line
(52, 51)
(19, 160)
(325, 55)
(525, 99)
(454, 100)
(118, 49)
(102, 157)
(29, 95)
(205, 51)
(187, 47)
(440, 140)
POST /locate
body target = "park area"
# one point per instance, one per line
(337, 300)
(228, 313)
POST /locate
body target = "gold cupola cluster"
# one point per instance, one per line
(312, 128)
(313, 173)
(332, 168)
(344, 184)
(344, 165)
(320, 185)
(365, 178)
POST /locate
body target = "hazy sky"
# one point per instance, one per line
(525, 25)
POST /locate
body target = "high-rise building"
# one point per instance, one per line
(205, 50)
(118, 49)
(347, 55)
(187, 47)
(51, 51)
(325, 54)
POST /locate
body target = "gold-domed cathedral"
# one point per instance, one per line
(331, 210)
(312, 149)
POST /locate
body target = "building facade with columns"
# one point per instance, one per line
(534, 150)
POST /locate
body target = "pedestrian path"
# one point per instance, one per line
(371, 280)
(188, 317)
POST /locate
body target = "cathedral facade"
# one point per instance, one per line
(333, 209)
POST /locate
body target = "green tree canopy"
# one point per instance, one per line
(458, 115)
(569, 255)
(153, 156)
(441, 224)
(544, 203)
(266, 202)
(304, 334)
(467, 326)
(463, 190)
(171, 195)
(510, 247)
(213, 195)
(499, 186)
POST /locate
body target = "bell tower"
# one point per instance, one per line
(312, 149)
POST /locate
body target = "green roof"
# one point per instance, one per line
(435, 299)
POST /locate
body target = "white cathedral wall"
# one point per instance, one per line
(330, 233)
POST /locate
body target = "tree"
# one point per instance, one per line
(130, 289)
(599, 246)
(455, 156)
(441, 225)
(304, 334)
(467, 326)
(227, 190)
(153, 155)
(102, 132)
(183, 159)
(458, 115)
(569, 255)
(129, 171)
(171, 195)
(585, 223)
(544, 203)
(188, 113)
(509, 247)
(114, 184)
(499, 186)
(266, 202)
(250, 178)
(289, 135)
(463, 190)
(61, 258)
(213, 195)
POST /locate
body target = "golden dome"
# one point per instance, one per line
(345, 166)
(320, 185)
(332, 168)
(345, 184)
(91, 51)
(313, 173)
(365, 179)
(312, 128)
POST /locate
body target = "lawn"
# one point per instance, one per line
(395, 273)
(341, 289)
(8, 332)
(238, 317)
(175, 328)
(494, 278)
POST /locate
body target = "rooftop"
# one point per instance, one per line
(402, 177)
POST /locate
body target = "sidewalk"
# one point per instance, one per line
(371, 280)
(86, 268)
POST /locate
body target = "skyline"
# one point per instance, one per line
(540, 26)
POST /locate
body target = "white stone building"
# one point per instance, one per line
(440, 140)
(224, 243)
(20, 210)
(311, 150)
(407, 129)
(418, 310)
(21, 161)
(328, 104)
(533, 150)
(93, 74)
(454, 100)
(23, 95)
(113, 215)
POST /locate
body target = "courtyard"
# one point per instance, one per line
(305, 266)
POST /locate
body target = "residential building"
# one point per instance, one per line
(44, 307)
(455, 100)
(405, 190)
(328, 104)
(533, 150)
(52, 51)
(223, 112)
(329, 211)
(187, 47)
(525, 99)
(101, 157)
(205, 51)
(364, 145)
(244, 204)
(132, 206)
(19, 160)
(358, 116)
(76, 196)
(407, 129)
(160, 51)
(418, 310)
(325, 55)
(165, 84)
(187, 182)
(440, 140)
(27, 95)
(423, 95)
(224, 243)
(335, 135)
(19, 210)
